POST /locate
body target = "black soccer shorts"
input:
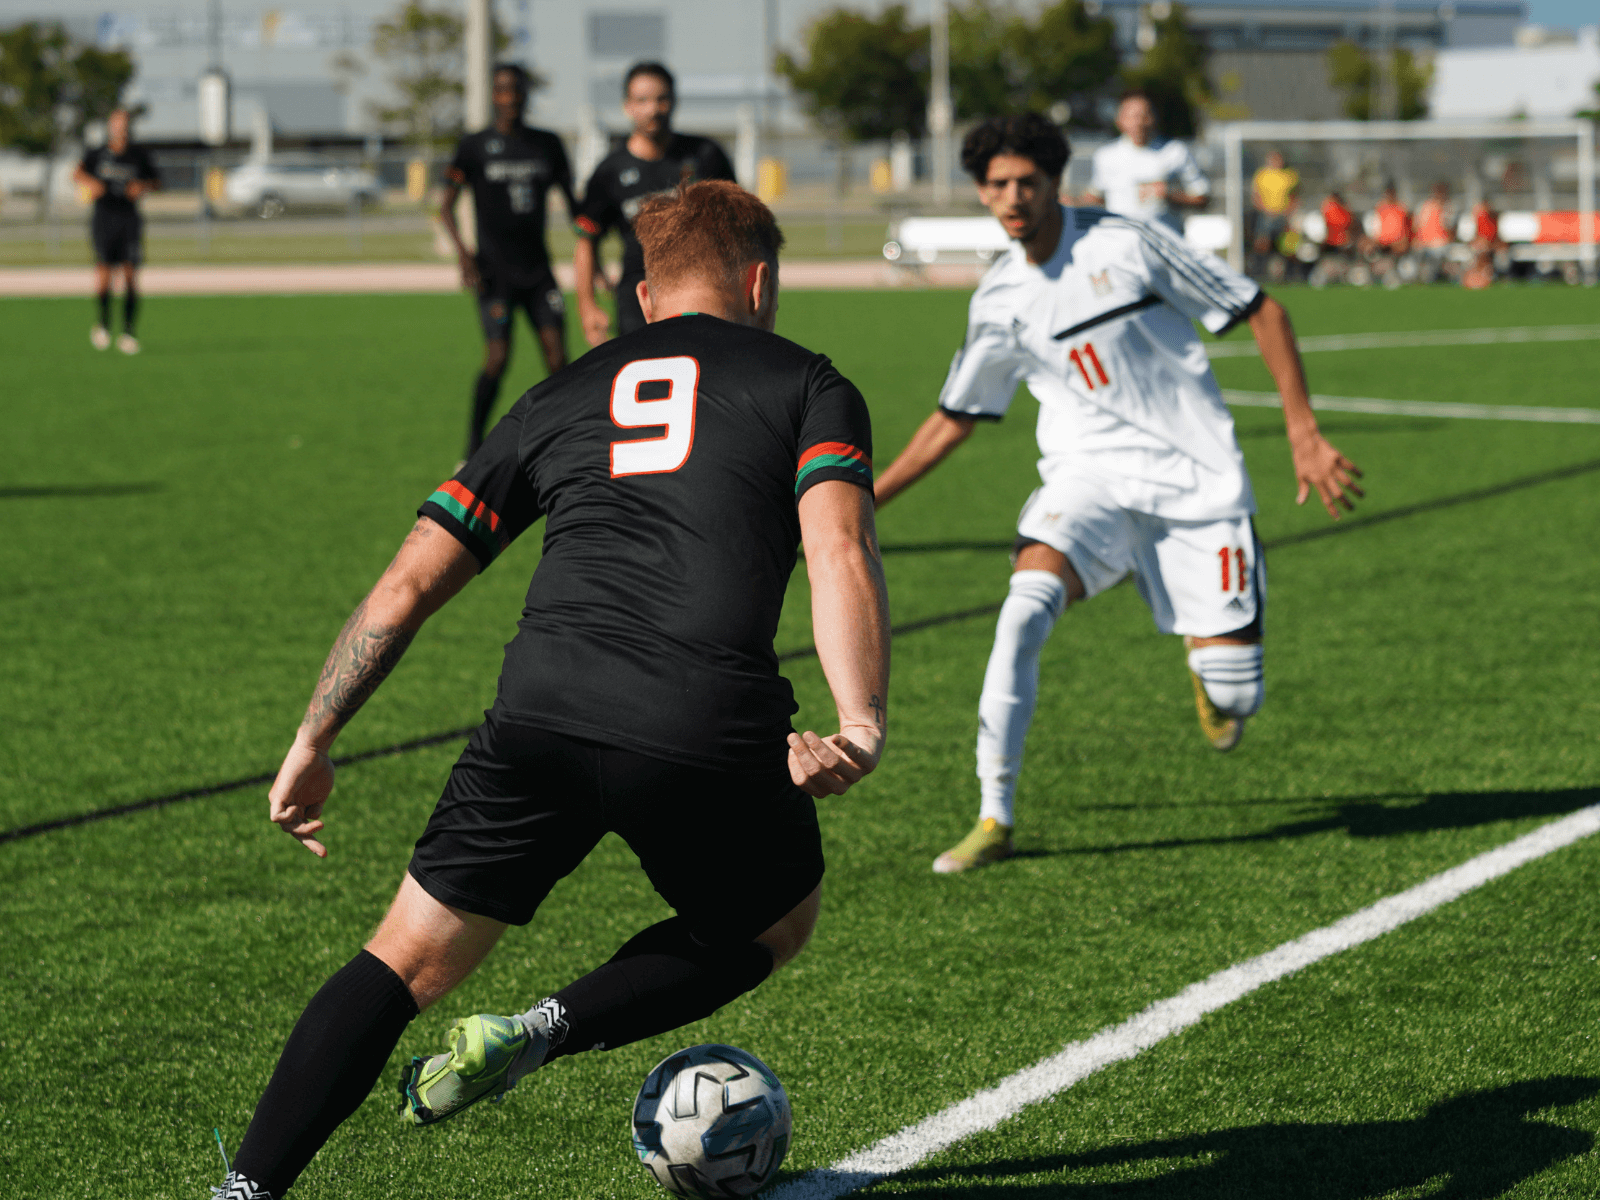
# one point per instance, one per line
(118, 238)
(499, 301)
(730, 851)
(629, 315)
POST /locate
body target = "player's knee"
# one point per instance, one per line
(1033, 605)
(1233, 677)
(790, 934)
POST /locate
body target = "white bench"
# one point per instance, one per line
(922, 241)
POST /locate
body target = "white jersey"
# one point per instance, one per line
(1125, 176)
(1102, 334)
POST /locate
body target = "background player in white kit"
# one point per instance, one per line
(1145, 176)
(1141, 470)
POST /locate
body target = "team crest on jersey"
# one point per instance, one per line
(629, 177)
(495, 146)
(1100, 281)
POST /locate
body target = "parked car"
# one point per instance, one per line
(268, 188)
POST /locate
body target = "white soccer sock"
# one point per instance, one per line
(1011, 685)
(1233, 677)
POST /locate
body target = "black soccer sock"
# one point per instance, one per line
(483, 398)
(103, 299)
(334, 1056)
(130, 310)
(661, 979)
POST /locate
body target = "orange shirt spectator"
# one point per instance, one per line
(1339, 221)
(1435, 219)
(1394, 223)
(1487, 222)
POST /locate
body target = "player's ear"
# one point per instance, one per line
(646, 305)
(761, 293)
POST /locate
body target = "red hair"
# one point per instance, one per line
(711, 231)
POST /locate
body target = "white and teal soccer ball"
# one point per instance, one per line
(712, 1121)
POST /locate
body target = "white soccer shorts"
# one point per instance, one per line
(1200, 578)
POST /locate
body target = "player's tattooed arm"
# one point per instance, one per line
(361, 659)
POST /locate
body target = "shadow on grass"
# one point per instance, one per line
(1370, 817)
(48, 491)
(1470, 1147)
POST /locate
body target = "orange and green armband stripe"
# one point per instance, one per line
(839, 456)
(585, 227)
(476, 517)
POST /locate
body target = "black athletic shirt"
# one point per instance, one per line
(669, 464)
(116, 171)
(622, 181)
(510, 175)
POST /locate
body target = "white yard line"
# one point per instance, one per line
(1424, 408)
(1421, 337)
(987, 1109)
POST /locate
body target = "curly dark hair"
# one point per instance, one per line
(1029, 135)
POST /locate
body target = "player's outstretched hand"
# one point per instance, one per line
(298, 794)
(1318, 465)
(828, 766)
(470, 278)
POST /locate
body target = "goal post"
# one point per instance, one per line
(1471, 138)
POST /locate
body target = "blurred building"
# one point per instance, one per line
(1269, 60)
(1548, 73)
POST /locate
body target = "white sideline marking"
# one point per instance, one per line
(1421, 337)
(1424, 408)
(1048, 1077)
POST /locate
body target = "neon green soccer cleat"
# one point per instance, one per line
(989, 842)
(484, 1050)
(1221, 730)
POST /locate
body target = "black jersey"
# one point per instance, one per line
(622, 181)
(511, 175)
(116, 171)
(669, 465)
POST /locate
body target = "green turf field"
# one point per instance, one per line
(186, 531)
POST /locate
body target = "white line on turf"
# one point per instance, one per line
(987, 1109)
(1424, 408)
(1417, 338)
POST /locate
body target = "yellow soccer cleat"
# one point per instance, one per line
(989, 842)
(1221, 731)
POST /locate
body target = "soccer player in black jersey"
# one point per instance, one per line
(653, 159)
(116, 175)
(510, 168)
(676, 471)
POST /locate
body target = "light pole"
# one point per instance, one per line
(476, 35)
(939, 114)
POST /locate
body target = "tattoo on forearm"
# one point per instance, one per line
(361, 659)
(876, 705)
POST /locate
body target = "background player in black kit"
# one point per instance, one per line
(653, 159)
(116, 175)
(676, 470)
(510, 168)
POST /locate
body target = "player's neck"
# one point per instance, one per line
(504, 125)
(1042, 245)
(117, 146)
(648, 147)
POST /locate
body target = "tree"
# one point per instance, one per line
(1001, 63)
(426, 47)
(52, 88)
(1173, 74)
(864, 77)
(1353, 71)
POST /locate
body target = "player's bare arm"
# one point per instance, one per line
(929, 446)
(95, 186)
(430, 568)
(1317, 463)
(447, 218)
(850, 621)
(585, 272)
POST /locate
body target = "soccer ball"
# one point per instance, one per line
(711, 1121)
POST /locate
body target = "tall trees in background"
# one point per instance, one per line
(865, 77)
(52, 87)
(1354, 72)
(1173, 74)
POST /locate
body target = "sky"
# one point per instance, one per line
(1569, 14)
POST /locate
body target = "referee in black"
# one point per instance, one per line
(116, 175)
(653, 159)
(510, 168)
(676, 470)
